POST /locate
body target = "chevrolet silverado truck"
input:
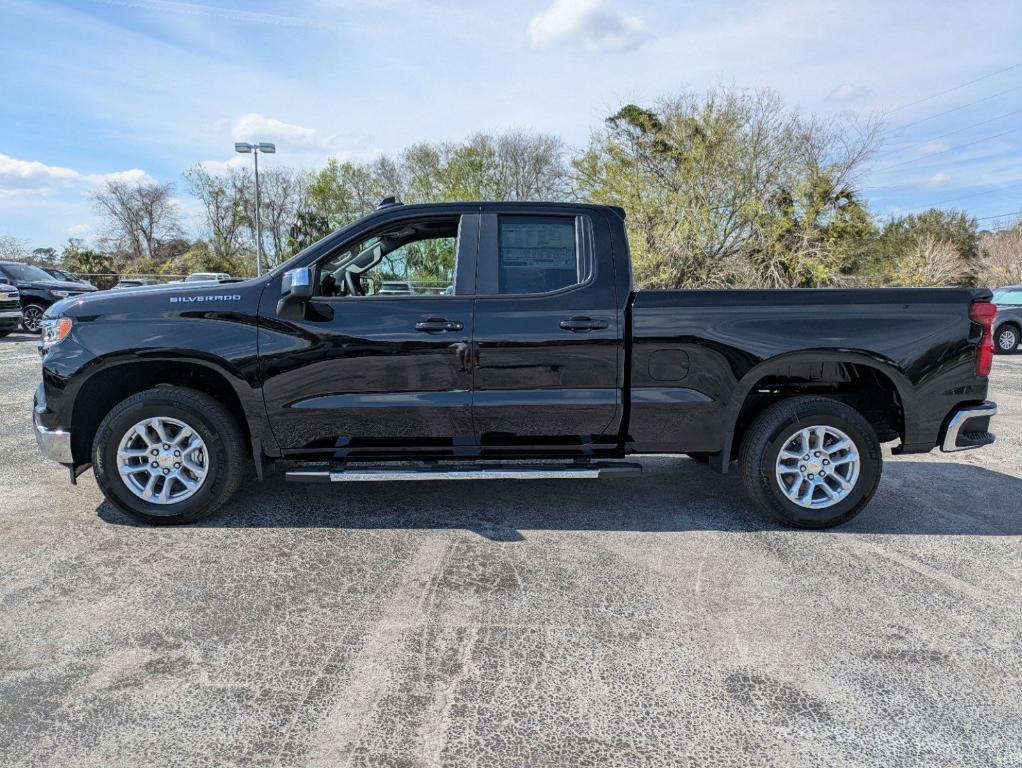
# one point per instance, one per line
(533, 356)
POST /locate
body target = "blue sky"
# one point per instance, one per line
(94, 89)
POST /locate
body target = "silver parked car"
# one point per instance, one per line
(1008, 322)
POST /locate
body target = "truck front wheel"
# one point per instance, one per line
(168, 455)
(810, 462)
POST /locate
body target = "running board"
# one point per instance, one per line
(461, 472)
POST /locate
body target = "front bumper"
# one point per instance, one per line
(53, 442)
(10, 318)
(969, 427)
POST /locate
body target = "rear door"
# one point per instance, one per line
(369, 373)
(547, 334)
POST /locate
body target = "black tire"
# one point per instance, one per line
(32, 317)
(1006, 339)
(213, 423)
(768, 434)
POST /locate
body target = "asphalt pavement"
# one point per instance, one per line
(650, 621)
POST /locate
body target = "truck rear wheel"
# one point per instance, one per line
(168, 455)
(810, 462)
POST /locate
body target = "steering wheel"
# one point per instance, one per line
(353, 284)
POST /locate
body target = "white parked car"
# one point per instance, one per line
(207, 277)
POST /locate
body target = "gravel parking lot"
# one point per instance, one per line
(650, 621)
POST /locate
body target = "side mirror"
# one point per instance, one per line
(295, 289)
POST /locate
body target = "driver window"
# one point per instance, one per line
(411, 259)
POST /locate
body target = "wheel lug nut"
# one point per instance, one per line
(816, 454)
(806, 457)
(154, 452)
(155, 464)
(822, 473)
(177, 453)
(166, 471)
(810, 475)
(166, 447)
(825, 462)
(177, 465)
(802, 468)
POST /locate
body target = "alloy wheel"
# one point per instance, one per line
(162, 460)
(817, 467)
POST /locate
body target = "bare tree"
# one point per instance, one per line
(224, 208)
(139, 216)
(1000, 261)
(282, 199)
(931, 262)
(13, 248)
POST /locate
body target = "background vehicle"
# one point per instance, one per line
(395, 288)
(10, 308)
(37, 291)
(543, 353)
(1008, 323)
(207, 277)
(136, 282)
(67, 277)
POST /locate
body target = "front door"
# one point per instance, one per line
(547, 336)
(381, 361)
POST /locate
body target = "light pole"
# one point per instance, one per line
(245, 148)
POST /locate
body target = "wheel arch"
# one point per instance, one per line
(118, 380)
(874, 385)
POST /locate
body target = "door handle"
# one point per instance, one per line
(438, 325)
(582, 324)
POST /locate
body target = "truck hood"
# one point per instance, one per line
(176, 296)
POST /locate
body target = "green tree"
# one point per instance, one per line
(730, 188)
(97, 266)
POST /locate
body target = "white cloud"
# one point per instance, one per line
(934, 148)
(939, 179)
(78, 229)
(221, 167)
(849, 92)
(256, 127)
(595, 24)
(31, 177)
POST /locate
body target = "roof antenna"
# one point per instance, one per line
(387, 202)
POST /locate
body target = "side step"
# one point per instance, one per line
(383, 473)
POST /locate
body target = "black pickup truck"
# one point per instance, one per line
(528, 355)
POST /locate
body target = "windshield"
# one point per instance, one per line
(25, 272)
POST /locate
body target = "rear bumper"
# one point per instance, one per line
(969, 427)
(54, 442)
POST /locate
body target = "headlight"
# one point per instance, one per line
(60, 294)
(55, 329)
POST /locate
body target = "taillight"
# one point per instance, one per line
(983, 312)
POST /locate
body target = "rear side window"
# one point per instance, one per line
(1008, 297)
(536, 254)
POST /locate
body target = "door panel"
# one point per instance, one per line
(547, 364)
(379, 374)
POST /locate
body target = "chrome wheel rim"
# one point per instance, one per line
(162, 460)
(817, 467)
(1007, 340)
(32, 318)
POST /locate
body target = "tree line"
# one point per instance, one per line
(727, 188)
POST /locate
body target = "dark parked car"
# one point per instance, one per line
(544, 362)
(68, 277)
(1008, 323)
(38, 290)
(10, 308)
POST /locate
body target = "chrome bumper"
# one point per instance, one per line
(55, 444)
(10, 314)
(954, 436)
